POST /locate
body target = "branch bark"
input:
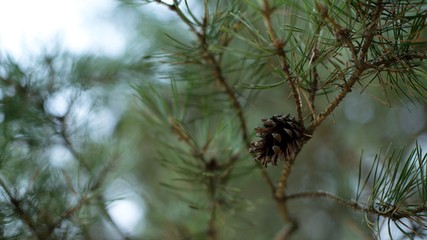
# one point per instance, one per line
(360, 63)
(394, 212)
(278, 45)
(342, 34)
(215, 63)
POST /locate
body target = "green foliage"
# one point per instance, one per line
(46, 196)
(398, 189)
(201, 79)
(314, 53)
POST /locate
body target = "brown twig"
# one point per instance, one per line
(342, 35)
(282, 184)
(393, 212)
(315, 74)
(182, 134)
(279, 194)
(280, 52)
(211, 230)
(212, 61)
(220, 79)
(217, 70)
(97, 183)
(291, 226)
(323, 194)
(68, 214)
(267, 179)
(215, 63)
(360, 64)
(314, 83)
(26, 219)
(345, 89)
(280, 189)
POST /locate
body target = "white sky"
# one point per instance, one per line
(28, 26)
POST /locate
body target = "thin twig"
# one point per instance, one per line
(218, 75)
(322, 194)
(282, 207)
(104, 211)
(393, 213)
(359, 61)
(343, 36)
(345, 89)
(67, 214)
(211, 230)
(282, 184)
(280, 190)
(291, 223)
(20, 211)
(212, 61)
(315, 74)
(95, 186)
(315, 82)
(215, 64)
(278, 46)
(217, 70)
(63, 133)
(179, 130)
(279, 194)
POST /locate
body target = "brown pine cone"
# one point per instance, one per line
(281, 138)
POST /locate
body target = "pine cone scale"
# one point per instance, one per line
(281, 138)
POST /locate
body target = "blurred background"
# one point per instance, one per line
(86, 62)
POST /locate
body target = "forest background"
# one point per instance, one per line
(152, 141)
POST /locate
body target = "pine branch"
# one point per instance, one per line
(280, 189)
(211, 231)
(281, 201)
(346, 56)
(278, 44)
(394, 213)
(315, 74)
(217, 70)
(292, 225)
(84, 200)
(394, 181)
(359, 61)
(63, 132)
(21, 213)
(182, 135)
(213, 63)
(95, 187)
(322, 194)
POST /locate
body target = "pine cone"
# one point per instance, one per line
(281, 138)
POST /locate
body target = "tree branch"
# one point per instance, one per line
(278, 45)
(279, 194)
(26, 219)
(342, 34)
(97, 183)
(212, 61)
(315, 74)
(393, 212)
